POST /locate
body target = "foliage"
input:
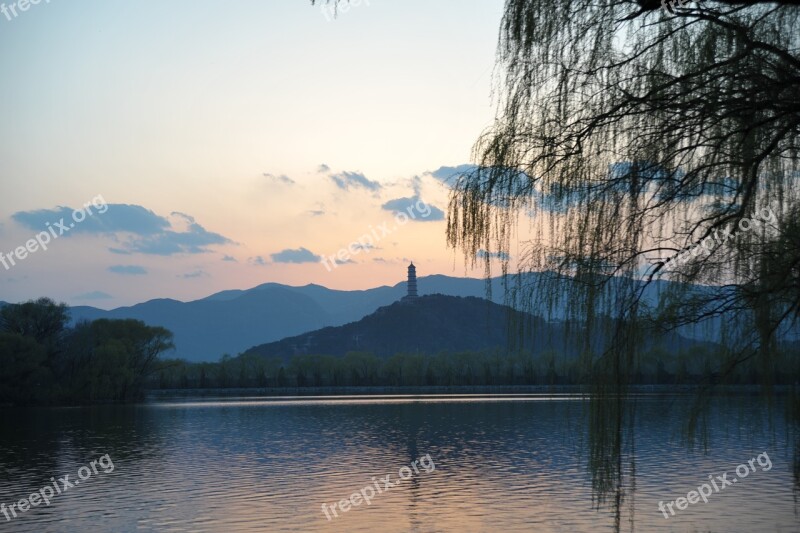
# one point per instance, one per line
(42, 320)
(23, 374)
(43, 361)
(657, 366)
(626, 134)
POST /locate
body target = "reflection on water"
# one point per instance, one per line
(527, 463)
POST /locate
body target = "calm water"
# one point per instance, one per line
(496, 464)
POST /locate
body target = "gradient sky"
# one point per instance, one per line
(235, 142)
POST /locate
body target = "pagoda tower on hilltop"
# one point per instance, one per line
(412, 282)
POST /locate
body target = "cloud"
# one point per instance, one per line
(415, 209)
(193, 241)
(195, 274)
(94, 295)
(449, 175)
(119, 251)
(136, 229)
(323, 168)
(318, 210)
(483, 254)
(257, 261)
(127, 270)
(283, 179)
(184, 216)
(230, 259)
(500, 184)
(364, 247)
(118, 218)
(300, 255)
(416, 184)
(346, 180)
(559, 200)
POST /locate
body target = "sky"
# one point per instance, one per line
(193, 146)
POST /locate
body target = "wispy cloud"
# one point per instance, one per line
(230, 259)
(300, 255)
(128, 270)
(449, 175)
(195, 274)
(364, 247)
(424, 212)
(347, 180)
(94, 295)
(318, 210)
(283, 179)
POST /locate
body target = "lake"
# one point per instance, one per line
(536, 462)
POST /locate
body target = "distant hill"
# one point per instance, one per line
(206, 329)
(428, 324)
(435, 323)
(234, 320)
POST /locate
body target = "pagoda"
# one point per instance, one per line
(412, 282)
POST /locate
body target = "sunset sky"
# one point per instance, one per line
(235, 143)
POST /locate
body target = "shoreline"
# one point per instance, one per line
(455, 390)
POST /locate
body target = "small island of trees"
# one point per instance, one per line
(44, 361)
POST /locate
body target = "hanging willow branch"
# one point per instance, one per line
(627, 134)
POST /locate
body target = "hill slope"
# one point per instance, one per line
(435, 323)
(428, 324)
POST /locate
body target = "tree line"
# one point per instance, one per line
(44, 361)
(480, 368)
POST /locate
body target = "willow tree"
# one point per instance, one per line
(641, 143)
(629, 134)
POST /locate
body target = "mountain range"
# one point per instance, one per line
(233, 321)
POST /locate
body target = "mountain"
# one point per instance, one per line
(234, 320)
(206, 329)
(436, 323)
